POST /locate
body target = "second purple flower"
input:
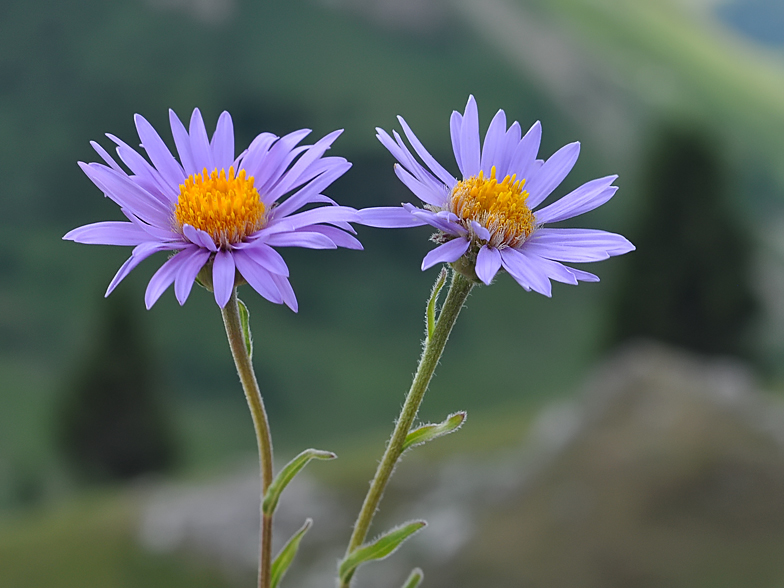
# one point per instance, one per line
(489, 219)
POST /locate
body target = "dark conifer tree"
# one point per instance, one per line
(112, 422)
(689, 281)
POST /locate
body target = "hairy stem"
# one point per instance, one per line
(434, 347)
(231, 320)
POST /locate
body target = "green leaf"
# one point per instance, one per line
(431, 303)
(429, 432)
(286, 556)
(287, 474)
(379, 548)
(245, 324)
(414, 578)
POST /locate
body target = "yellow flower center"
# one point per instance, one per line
(498, 206)
(227, 207)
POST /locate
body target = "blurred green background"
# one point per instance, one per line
(684, 99)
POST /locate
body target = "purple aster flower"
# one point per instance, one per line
(488, 220)
(216, 210)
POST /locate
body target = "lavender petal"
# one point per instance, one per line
(298, 174)
(200, 144)
(429, 160)
(493, 143)
(127, 194)
(183, 143)
(481, 232)
(525, 272)
(432, 218)
(265, 256)
(256, 152)
(193, 260)
(309, 193)
(428, 195)
(585, 198)
(286, 291)
(223, 277)
(488, 262)
(278, 158)
(159, 154)
(199, 237)
(162, 279)
(414, 167)
(504, 154)
(108, 233)
(222, 144)
(308, 240)
(469, 139)
(446, 253)
(139, 254)
(106, 157)
(323, 214)
(257, 276)
(388, 217)
(552, 173)
(455, 132)
(337, 236)
(525, 152)
(577, 245)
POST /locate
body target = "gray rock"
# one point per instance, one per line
(667, 471)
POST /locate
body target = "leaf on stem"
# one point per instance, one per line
(431, 303)
(287, 474)
(414, 578)
(379, 548)
(286, 556)
(245, 325)
(429, 432)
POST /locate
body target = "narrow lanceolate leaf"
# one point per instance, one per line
(287, 474)
(429, 432)
(431, 304)
(379, 548)
(414, 578)
(245, 324)
(286, 556)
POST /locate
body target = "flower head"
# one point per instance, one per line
(218, 211)
(489, 219)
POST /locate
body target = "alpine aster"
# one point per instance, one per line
(214, 209)
(489, 220)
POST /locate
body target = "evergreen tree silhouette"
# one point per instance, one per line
(112, 422)
(688, 283)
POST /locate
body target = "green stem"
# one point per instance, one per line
(231, 319)
(434, 347)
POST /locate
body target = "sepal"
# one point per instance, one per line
(431, 303)
(245, 325)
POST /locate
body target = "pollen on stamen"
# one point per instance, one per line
(500, 207)
(225, 206)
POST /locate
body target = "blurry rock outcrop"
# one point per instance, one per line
(667, 471)
(671, 473)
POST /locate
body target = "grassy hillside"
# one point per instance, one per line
(91, 543)
(680, 59)
(348, 354)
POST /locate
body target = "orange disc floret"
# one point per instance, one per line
(225, 206)
(500, 207)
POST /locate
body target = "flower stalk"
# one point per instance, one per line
(239, 351)
(435, 342)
